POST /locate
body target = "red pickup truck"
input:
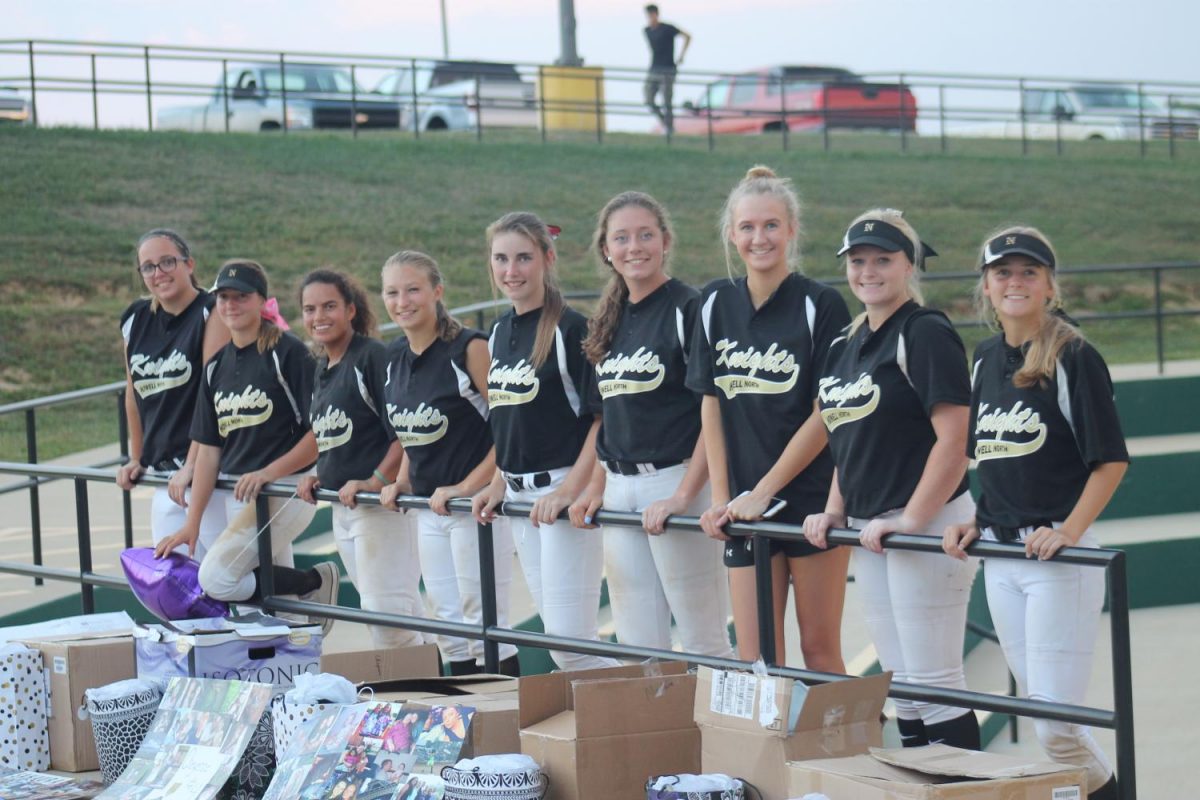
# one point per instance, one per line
(808, 98)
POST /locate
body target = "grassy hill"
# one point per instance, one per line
(74, 202)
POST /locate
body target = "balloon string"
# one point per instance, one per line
(259, 532)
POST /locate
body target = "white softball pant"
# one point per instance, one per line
(915, 607)
(563, 568)
(449, 548)
(227, 571)
(167, 517)
(379, 548)
(1047, 616)
(651, 578)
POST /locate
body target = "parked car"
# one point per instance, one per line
(806, 97)
(317, 96)
(1095, 111)
(13, 107)
(458, 95)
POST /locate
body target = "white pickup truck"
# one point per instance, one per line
(1095, 111)
(459, 95)
(254, 97)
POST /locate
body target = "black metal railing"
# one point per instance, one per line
(941, 106)
(1119, 719)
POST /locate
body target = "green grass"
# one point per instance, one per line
(74, 202)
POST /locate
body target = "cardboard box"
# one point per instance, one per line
(72, 665)
(370, 666)
(495, 726)
(751, 726)
(259, 649)
(602, 733)
(936, 772)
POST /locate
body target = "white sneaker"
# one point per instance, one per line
(326, 593)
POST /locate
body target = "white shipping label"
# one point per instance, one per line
(60, 665)
(768, 710)
(733, 694)
(46, 680)
(1067, 793)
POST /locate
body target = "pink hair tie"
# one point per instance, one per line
(555, 230)
(270, 312)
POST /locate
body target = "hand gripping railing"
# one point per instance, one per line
(1120, 718)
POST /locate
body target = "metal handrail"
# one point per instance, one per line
(1113, 561)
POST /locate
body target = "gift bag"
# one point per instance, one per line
(311, 694)
(24, 739)
(256, 768)
(121, 714)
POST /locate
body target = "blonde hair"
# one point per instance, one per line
(895, 218)
(448, 327)
(268, 332)
(603, 321)
(532, 228)
(1053, 335)
(762, 180)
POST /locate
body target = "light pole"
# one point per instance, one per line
(445, 33)
(566, 20)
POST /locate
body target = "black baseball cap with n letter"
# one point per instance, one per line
(240, 277)
(1007, 244)
(886, 237)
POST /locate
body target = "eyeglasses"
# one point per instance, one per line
(166, 264)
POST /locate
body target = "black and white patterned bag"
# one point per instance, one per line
(495, 777)
(256, 768)
(121, 714)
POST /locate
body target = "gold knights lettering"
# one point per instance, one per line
(520, 375)
(829, 391)
(775, 360)
(643, 362)
(333, 428)
(232, 409)
(1019, 420)
(159, 375)
(423, 425)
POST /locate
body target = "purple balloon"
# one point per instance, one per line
(169, 587)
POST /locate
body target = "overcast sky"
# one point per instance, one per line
(1147, 40)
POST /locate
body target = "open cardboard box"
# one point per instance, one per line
(936, 772)
(73, 664)
(751, 726)
(599, 734)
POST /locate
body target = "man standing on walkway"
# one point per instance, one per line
(661, 37)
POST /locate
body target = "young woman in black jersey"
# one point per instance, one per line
(755, 358)
(893, 395)
(436, 407)
(651, 456)
(251, 422)
(167, 337)
(544, 418)
(358, 451)
(1050, 454)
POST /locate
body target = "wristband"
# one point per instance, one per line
(379, 475)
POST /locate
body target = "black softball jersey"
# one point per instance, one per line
(876, 396)
(649, 414)
(1036, 447)
(762, 365)
(253, 405)
(436, 412)
(347, 413)
(165, 353)
(540, 417)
